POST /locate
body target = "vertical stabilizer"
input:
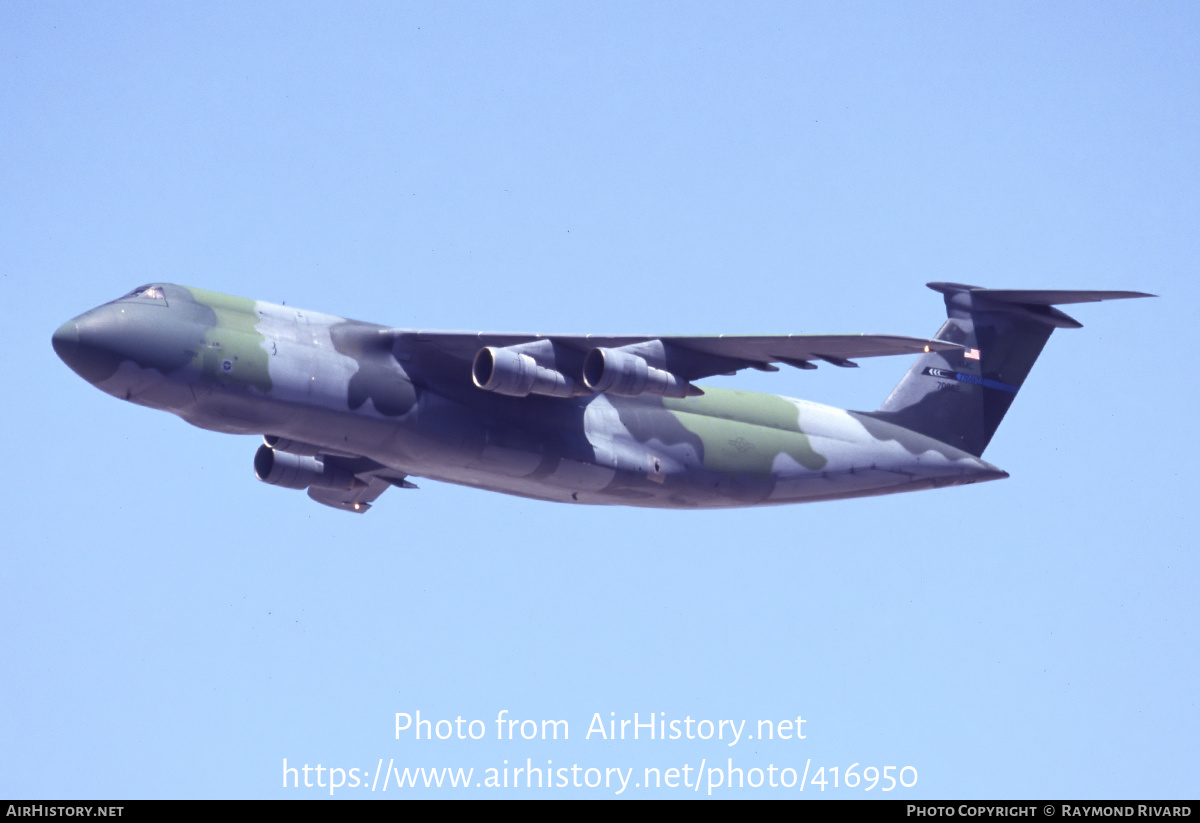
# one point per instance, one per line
(960, 397)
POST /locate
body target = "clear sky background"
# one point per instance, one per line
(171, 627)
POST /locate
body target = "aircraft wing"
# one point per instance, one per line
(374, 479)
(354, 500)
(687, 357)
(801, 350)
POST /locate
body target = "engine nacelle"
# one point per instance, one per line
(299, 471)
(507, 371)
(614, 371)
(282, 444)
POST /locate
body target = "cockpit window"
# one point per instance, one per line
(153, 295)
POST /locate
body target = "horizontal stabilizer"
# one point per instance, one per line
(1038, 297)
(1035, 305)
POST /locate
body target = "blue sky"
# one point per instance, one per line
(173, 628)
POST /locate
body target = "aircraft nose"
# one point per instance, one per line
(65, 341)
(84, 345)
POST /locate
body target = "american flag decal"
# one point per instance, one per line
(971, 354)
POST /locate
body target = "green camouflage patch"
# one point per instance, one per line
(233, 349)
(745, 431)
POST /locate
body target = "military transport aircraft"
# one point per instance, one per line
(348, 409)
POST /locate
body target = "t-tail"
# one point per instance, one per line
(960, 397)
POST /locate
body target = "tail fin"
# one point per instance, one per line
(960, 397)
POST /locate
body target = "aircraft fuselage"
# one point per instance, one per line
(352, 390)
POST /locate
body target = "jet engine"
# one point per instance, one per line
(299, 471)
(615, 371)
(512, 372)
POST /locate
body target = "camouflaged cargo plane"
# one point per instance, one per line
(348, 409)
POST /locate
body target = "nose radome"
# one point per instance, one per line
(87, 351)
(66, 340)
